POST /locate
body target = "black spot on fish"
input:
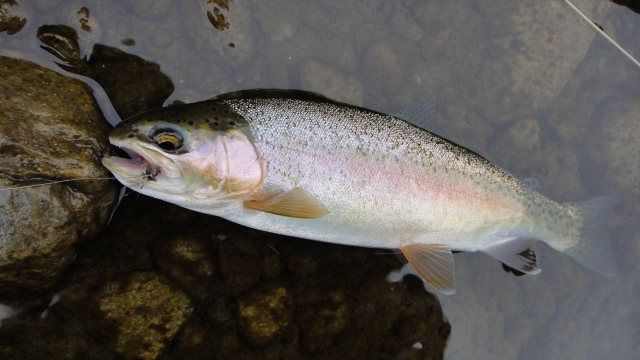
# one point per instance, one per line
(131, 135)
(206, 120)
(149, 119)
(231, 123)
(215, 123)
(177, 121)
(190, 122)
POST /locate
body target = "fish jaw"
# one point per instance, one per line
(213, 169)
(152, 156)
(140, 172)
(125, 169)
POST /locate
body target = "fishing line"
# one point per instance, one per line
(121, 194)
(55, 182)
(602, 32)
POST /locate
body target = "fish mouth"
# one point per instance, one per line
(135, 168)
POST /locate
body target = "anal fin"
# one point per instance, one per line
(296, 203)
(515, 254)
(434, 263)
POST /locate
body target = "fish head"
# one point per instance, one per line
(198, 156)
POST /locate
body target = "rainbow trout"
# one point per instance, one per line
(299, 164)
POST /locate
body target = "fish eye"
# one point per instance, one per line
(168, 140)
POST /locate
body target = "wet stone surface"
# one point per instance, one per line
(50, 129)
(168, 283)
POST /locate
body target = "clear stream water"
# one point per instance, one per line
(527, 84)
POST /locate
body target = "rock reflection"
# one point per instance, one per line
(633, 5)
(217, 18)
(10, 19)
(84, 21)
(132, 83)
(128, 42)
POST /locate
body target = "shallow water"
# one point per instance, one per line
(529, 85)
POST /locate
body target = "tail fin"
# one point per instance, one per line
(592, 251)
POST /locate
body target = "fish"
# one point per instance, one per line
(299, 164)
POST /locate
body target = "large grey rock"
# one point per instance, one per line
(495, 62)
(614, 150)
(50, 129)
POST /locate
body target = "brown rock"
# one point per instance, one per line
(240, 269)
(264, 312)
(132, 83)
(187, 261)
(145, 312)
(50, 129)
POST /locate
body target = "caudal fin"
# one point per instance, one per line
(593, 250)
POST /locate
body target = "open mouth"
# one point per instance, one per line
(135, 167)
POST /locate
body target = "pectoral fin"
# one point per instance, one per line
(296, 203)
(515, 254)
(434, 262)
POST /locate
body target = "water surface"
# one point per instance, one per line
(527, 84)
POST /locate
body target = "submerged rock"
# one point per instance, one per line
(233, 293)
(325, 80)
(142, 311)
(50, 129)
(381, 69)
(492, 64)
(614, 149)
